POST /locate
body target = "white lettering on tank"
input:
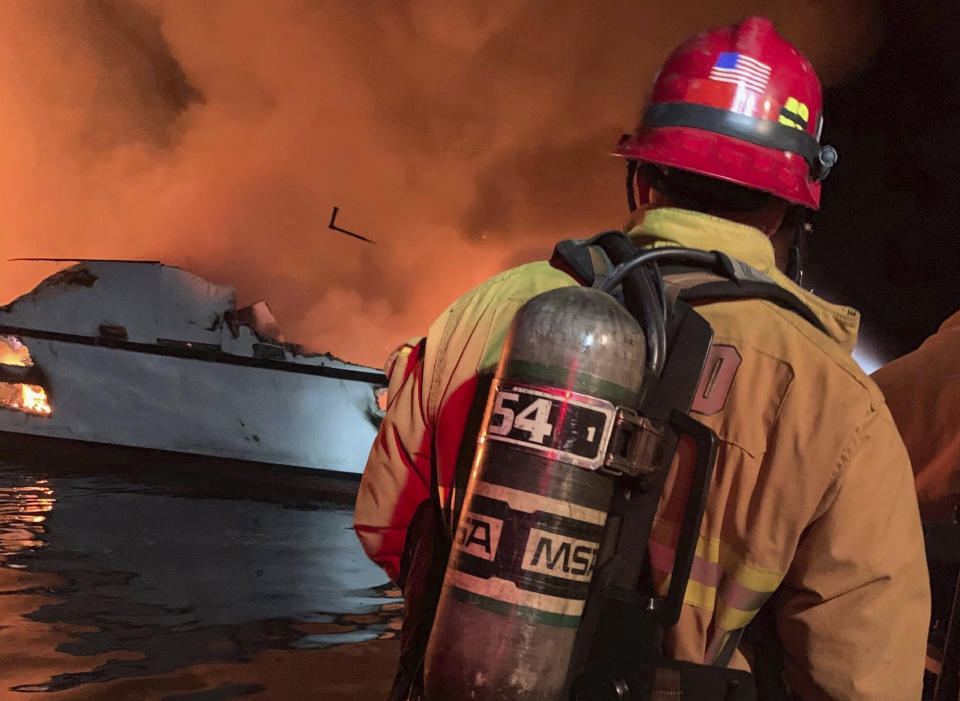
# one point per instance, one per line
(479, 535)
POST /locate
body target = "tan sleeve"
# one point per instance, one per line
(855, 606)
(923, 392)
(396, 478)
(432, 387)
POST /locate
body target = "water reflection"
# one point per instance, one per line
(111, 588)
(23, 509)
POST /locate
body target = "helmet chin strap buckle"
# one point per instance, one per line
(825, 161)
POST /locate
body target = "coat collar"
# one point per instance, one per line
(668, 226)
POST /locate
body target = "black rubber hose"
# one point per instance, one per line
(640, 295)
(682, 256)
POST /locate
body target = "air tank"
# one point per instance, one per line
(535, 507)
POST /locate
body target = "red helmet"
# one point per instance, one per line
(738, 104)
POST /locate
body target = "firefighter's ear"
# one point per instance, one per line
(650, 184)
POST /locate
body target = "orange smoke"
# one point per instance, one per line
(217, 135)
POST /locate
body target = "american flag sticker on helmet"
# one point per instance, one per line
(742, 70)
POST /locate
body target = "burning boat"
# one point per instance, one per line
(149, 356)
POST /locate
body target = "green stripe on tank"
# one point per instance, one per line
(578, 382)
(502, 608)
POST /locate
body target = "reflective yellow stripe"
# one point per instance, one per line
(715, 550)
(734, 571)
(704, 597)
(732, 618)
(700, 595)
(748, 575)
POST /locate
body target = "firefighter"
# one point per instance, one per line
(812, 510)
(922, 390)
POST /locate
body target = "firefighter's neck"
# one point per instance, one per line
(769, 220)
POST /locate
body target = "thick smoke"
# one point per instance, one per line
(218, 135)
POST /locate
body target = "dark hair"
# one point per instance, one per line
(701, 193)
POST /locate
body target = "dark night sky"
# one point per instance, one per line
(887, 236)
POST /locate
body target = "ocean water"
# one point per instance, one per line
(138, 584)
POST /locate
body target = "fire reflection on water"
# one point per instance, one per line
(23, 511)
(125, 588)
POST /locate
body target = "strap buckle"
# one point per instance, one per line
(635, 446)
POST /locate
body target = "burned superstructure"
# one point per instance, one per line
(145, 355)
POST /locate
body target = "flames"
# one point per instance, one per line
(30, 399)
(14, 352)
(33, 400)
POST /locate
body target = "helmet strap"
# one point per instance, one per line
(801, 227)
(631, 193)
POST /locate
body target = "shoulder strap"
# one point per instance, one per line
(574, 254)
(723, 290)
(694, 285)
(588, 262)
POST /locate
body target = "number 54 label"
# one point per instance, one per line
(565, 425)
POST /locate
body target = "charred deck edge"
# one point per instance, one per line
(200, 353)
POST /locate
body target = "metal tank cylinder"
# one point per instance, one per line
(529, 532)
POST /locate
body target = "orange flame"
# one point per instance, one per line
(30, 399)
(14, 352)
(34, 400)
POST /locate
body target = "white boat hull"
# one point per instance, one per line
(249, 411)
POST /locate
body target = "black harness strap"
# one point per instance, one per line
(745, 282)
(770, 291)
(576, 255)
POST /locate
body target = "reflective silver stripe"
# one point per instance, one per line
(529, 503)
